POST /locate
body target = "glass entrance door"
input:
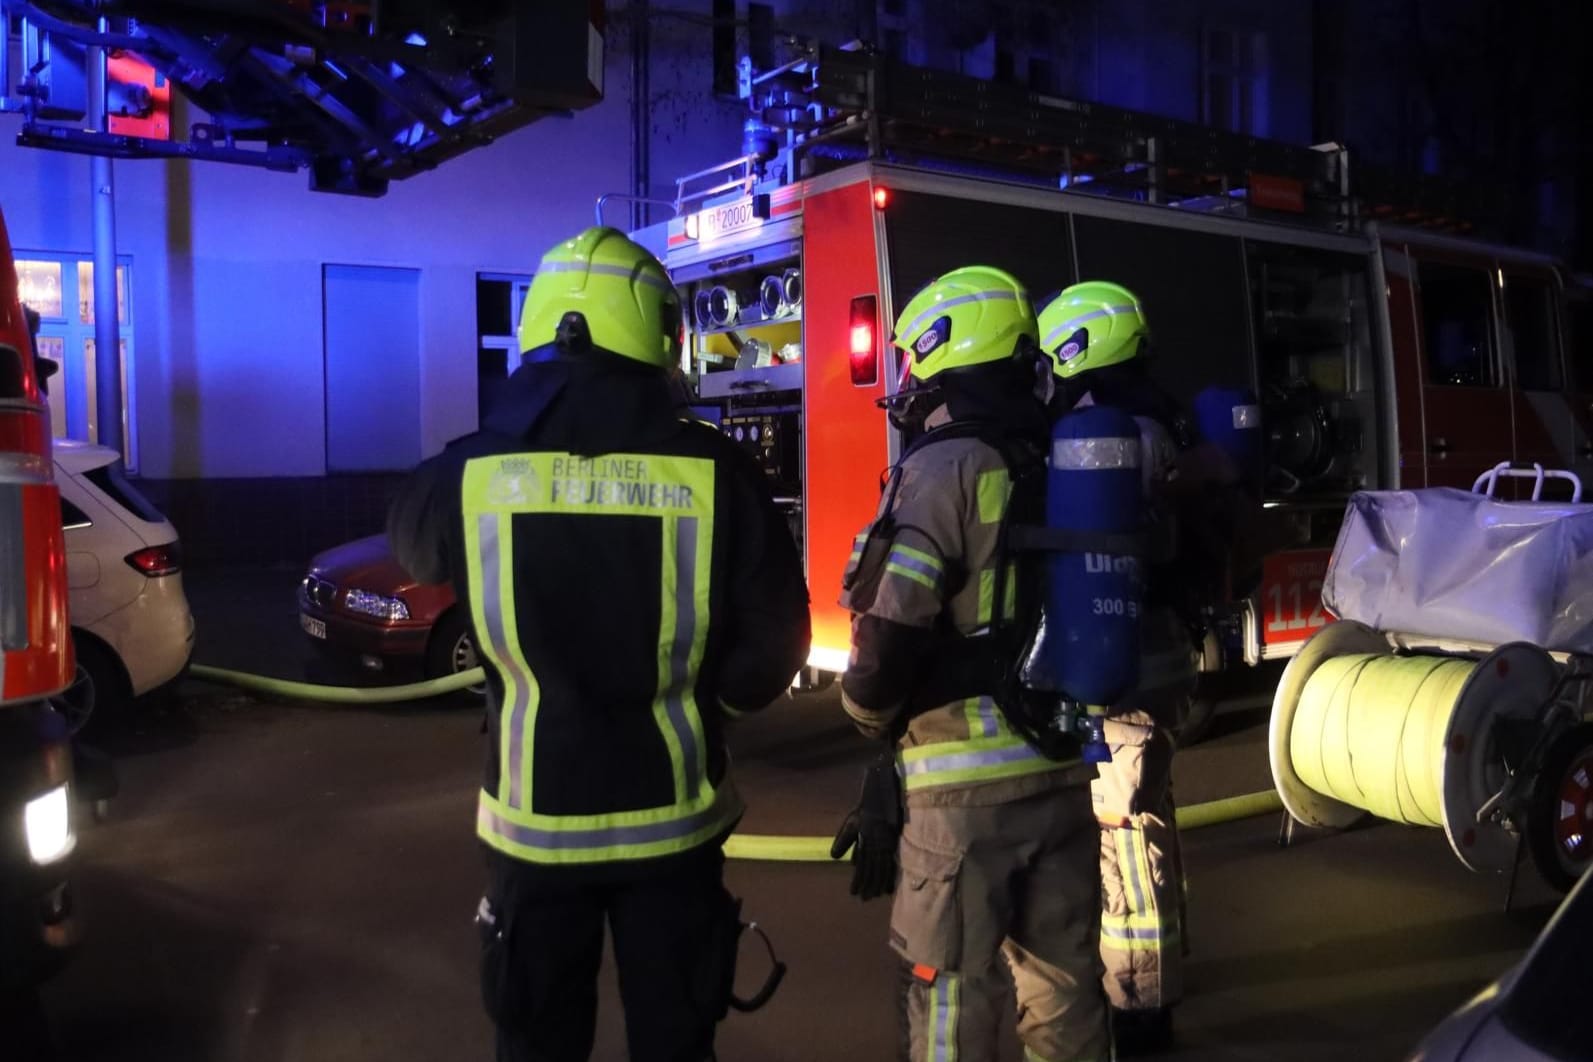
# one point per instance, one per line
(60, 288)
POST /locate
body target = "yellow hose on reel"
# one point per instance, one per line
(1410, 738)
(1369, 731)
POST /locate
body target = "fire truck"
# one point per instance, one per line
(1388, 345)
(36, 916)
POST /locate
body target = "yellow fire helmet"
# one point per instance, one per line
(1092, 325)
(600, 289)
(976, 315)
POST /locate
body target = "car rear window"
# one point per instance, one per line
(113, 481)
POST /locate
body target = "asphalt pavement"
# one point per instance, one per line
(292, 882)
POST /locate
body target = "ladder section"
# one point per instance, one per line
(826, 107)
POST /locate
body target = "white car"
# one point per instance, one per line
(131, 626)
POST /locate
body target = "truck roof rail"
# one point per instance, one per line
(826, 106)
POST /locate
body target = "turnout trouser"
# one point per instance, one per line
(1141, 867)
(1016, 882)
(540, 960)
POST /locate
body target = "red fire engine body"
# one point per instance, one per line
(1384, 355)
(36, 921)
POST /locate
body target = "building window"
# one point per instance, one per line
(85, 293)
(1236, 80)
(896, 28)
(1041, 75)
(499, 297)
(1004, 65)
(39, 286)
(894, 45)
(60, 289)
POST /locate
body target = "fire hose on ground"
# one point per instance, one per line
(760, 847)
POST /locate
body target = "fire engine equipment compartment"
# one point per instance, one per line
(745, 353)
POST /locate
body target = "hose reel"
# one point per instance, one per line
(1358, 730)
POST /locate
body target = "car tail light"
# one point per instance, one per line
(864, 347)
(158, 560)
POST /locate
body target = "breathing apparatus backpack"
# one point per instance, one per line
(1070, 538)
(1083, 653)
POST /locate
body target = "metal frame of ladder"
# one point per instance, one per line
(828, 106)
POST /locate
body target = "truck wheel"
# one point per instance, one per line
(1560, 818)
(452, 649)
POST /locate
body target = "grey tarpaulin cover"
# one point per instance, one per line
(1451, 564)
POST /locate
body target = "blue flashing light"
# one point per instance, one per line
(415, 39)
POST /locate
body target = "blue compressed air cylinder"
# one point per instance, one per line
(1091, 646)
(1230, 419)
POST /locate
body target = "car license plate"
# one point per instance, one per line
(315, 628)
(1291, 595)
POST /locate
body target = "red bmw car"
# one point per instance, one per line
(359, 604)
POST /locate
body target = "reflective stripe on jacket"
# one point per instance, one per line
(991, 753)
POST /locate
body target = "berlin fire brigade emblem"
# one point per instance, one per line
(514, 482)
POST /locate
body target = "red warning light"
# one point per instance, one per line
(864, 358)
(882, 198)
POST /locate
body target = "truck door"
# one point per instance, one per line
(1577, 313)
(1467, 412)
(1531, 332)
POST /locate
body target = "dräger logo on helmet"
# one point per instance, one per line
(937, 334)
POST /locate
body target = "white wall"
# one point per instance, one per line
(228, 361)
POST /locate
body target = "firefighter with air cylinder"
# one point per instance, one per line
(1196, 490)
(1021, 627)
(997, 847)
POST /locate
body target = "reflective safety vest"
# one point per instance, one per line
(597, 761)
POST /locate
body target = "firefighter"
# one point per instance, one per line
(631, 587)
(1098, 335)
(997, 847)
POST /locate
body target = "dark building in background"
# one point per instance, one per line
(1476, 91)
(1480, 92)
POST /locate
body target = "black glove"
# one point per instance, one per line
(872, 828)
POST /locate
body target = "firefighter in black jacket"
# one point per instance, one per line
(631, 586)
